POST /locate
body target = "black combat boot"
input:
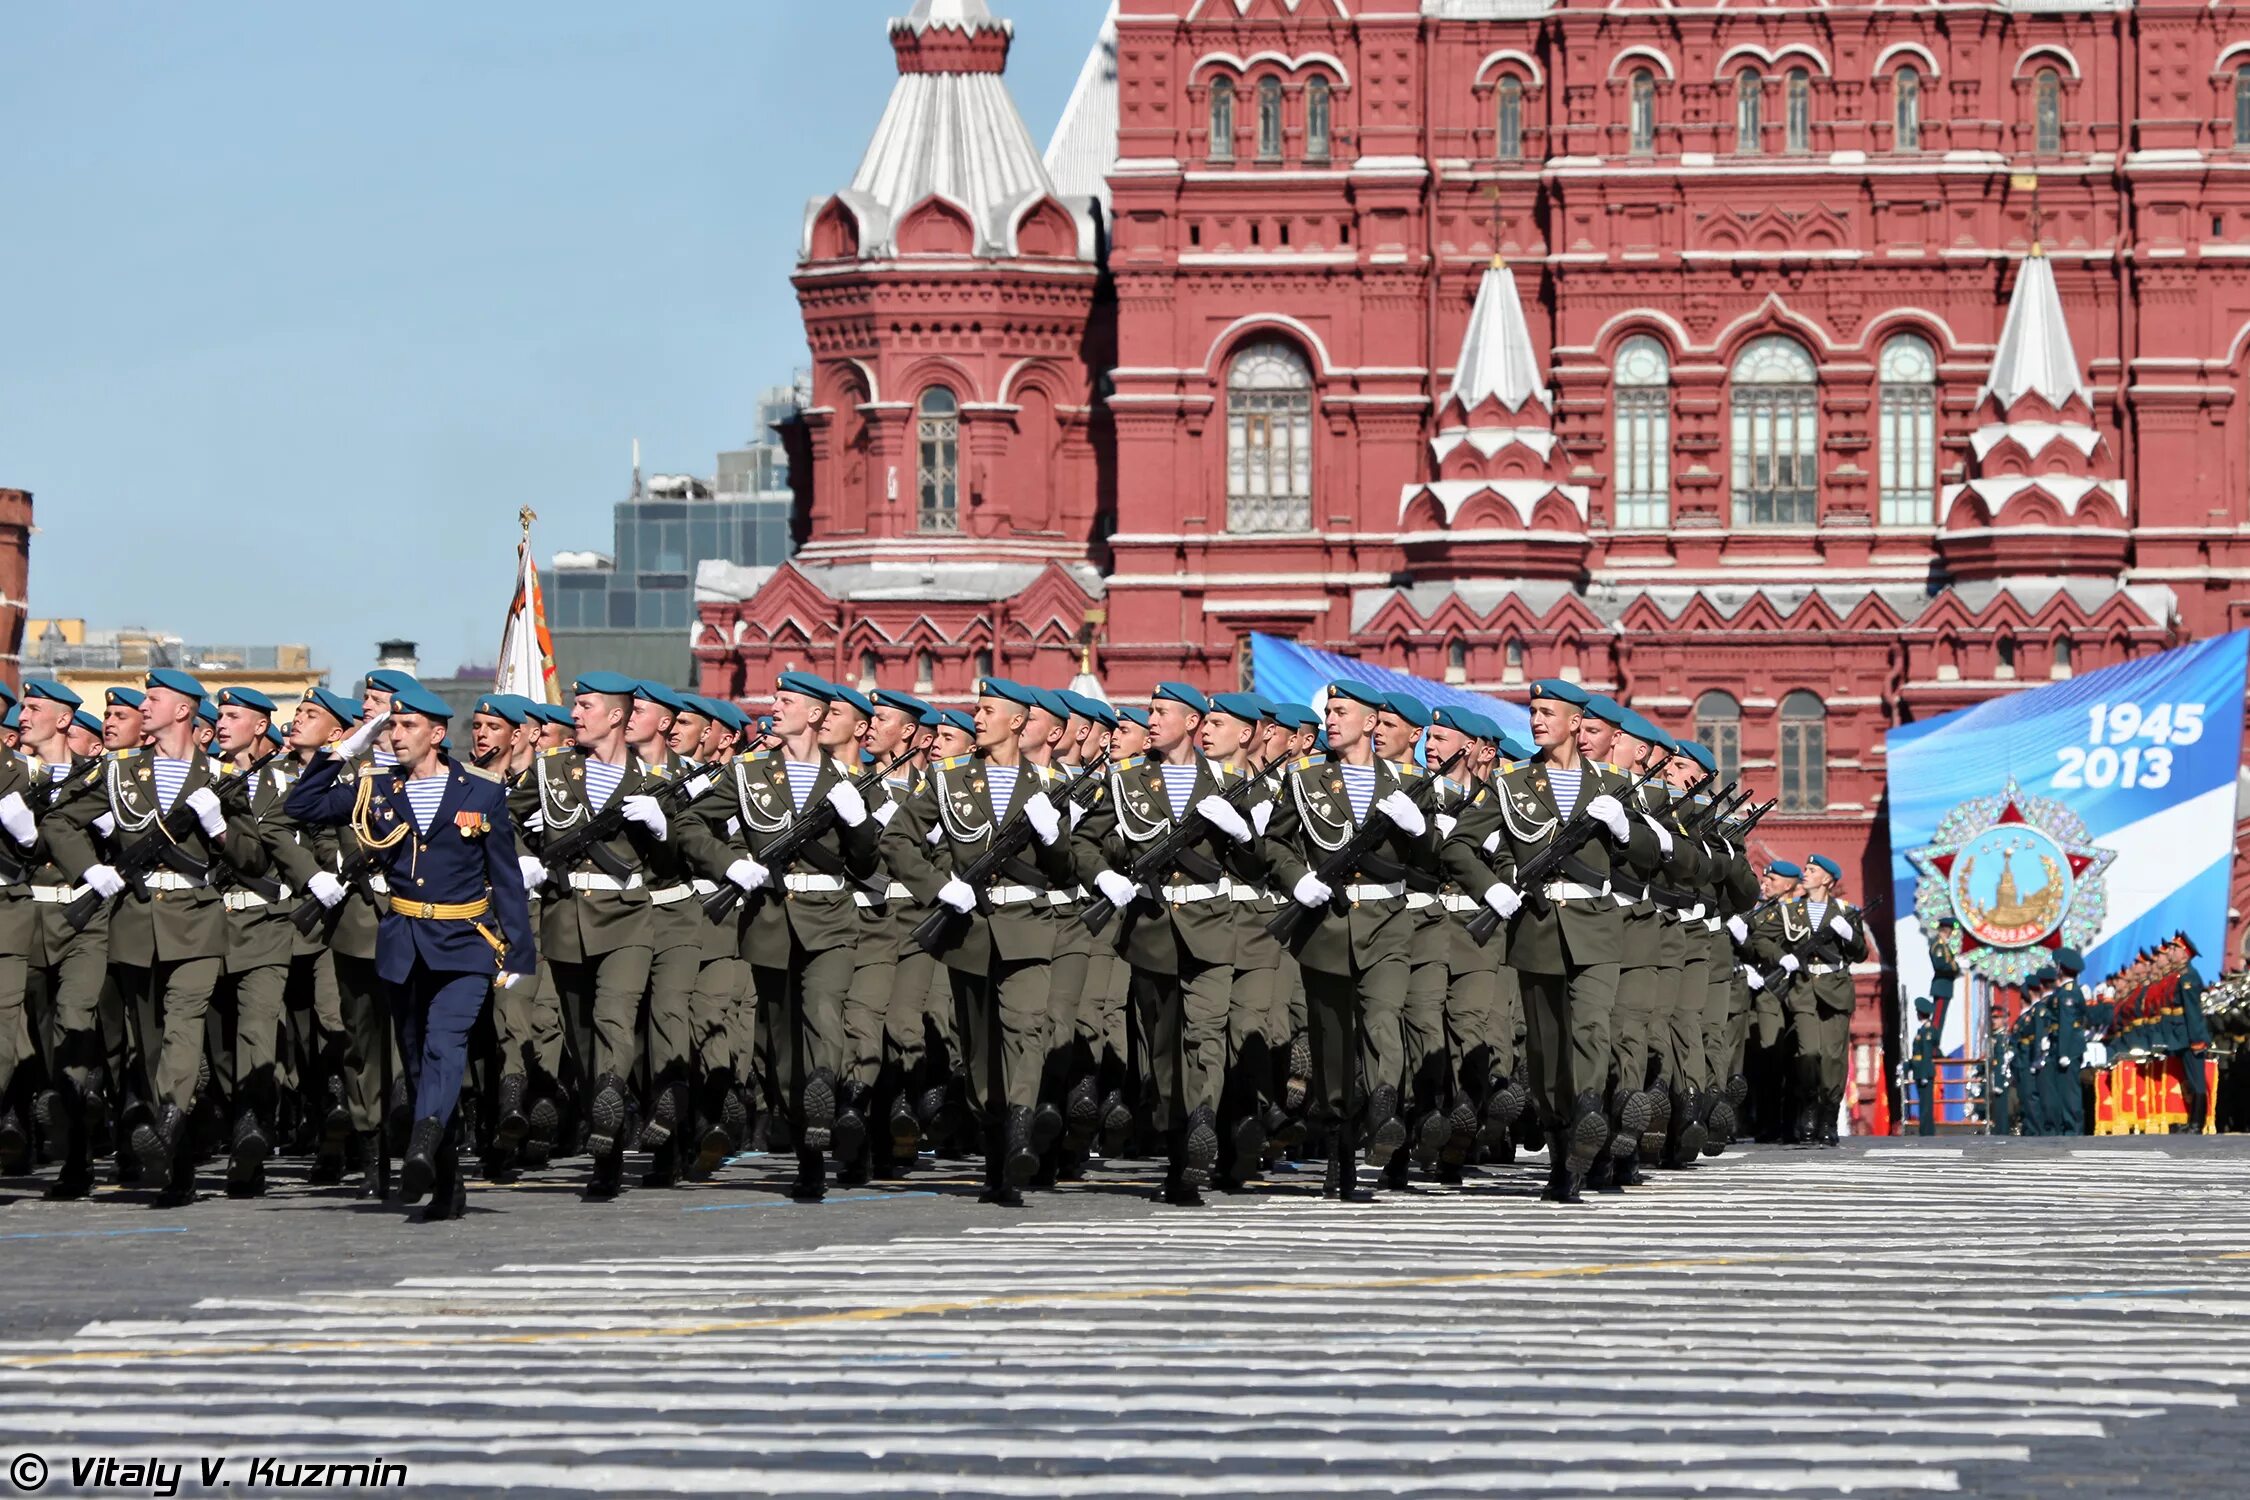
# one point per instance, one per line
(246, 1164)
(1117, 1124)
(449, 1192)
(1386, 1133)
(1020, 1163)
(419, 1169)
(1588, 1133)
(157, 1141)
(819, 1111)
(1659, 1124)
(605, 1119)
(847, 1132)
(811, 1184)
(1199, 1148)
(510, 1124)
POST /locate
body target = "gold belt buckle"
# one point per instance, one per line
(429, 911)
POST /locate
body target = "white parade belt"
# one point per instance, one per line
(806, 883)
(1826, 968)
(56, 895)
(1011, 895)
(895, 891)
(595, 880)
(1566, 890)
(672, 895)
(1244, 891)
(251, 900)
(704, 887)
(1183, 893)
(1420, 900)
(1461, 903)
(1390, 892)
(173, 880)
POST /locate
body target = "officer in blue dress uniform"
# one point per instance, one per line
(458, 915)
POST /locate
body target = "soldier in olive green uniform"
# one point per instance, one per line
(1077, 1047)
(882, 1021)
(1001, 941)
(1257, 1011)
(1479, 1029)
(18, 937)
(1566, 937)
(724, 995)
(1426, 1084)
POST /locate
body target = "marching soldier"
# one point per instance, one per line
(1820, 1006)
(1235, 738)
(1096, 1049)
(1479, 1027)
(1425, 1085)
(18, 928)
(883, 1012)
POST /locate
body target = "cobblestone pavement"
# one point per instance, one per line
(1894, 1317)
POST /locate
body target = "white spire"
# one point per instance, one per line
(1084, 146)
(969, 16)
(2035, 352)
(1496, 357)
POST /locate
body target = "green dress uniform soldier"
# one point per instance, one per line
(1177, 930)
(1663, 885)
(1001, 941)
(1081, 1014)
(1821, 1001)
(1479, 1030)
(1921, 1068)
(596, 930)
(1566, 937)
(1426, 1086)
(1605, 737)
(1356, 959)
(1257, 1022)
(18, 938)
(800, 928)
(724, 1004)
(168, 933)
(526, 1018)
(1120, 1068)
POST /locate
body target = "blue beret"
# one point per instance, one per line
(1642, 728)
(1183, 693)
(658, 694)
(1698, 753)
(1835, 870)
(730, 714)
(420, 700)
(1409, 708)
(806, 684)
(1358, 692)
(48, 688)
(698, 704)
(13, 718)
(505, 706)
(388, 680)
(1561, 691)
(1515, 749)
(92, 725)
(1607, 709)
(1050, 702)
(1243, 706)
(1093, 710)
(905, 703)
(250, 698)
(1008, 691)
(175, 680)
(614, 684)
(1320, 741)
(1131, 713)
(1466, 720)
(343, 709)
(2070, 960)
(1784, 869)
(549, 713)
(954, 718)
(207, 711)
(1477, 727)
(1941, 988)
(273, 732)
(845, 693)
(131, 697)
(1295, 716)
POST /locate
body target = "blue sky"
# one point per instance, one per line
(300, 303)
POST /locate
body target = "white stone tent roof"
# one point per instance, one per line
(2035, 352)
(1084, 148)
(1496, 356)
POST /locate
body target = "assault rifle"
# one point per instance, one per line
(940, 930)
(359, 874)
(1166, 851)
(1290, 924)
(589, 840)
(160, 847)
(1533, 874)
(807, 828)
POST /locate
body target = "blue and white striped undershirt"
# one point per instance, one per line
(1359, 789)
(58, 771)
(602, 780)
(171, 776)
(423, 794)
(802, 775)
(1564, 784)
(1003, 782)
(381, 756)
(1179, 785)
(1818, 910)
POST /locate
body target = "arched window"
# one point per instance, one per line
(1804, 753)
(868, 663)
(1644, 436)
(1906, 110)
(1222, 120)
(1906, 432)
(1718, 725)
(1797, 95)
(1643, 90)
(2046, 111)
(1749, 109)
(1269, 119)
(925, 672)
(2004, 657)
(2242, 106)
(1510, 132)
(1317, 131)
(938, 434)
(1456, 660)
(1511, 660)
(2061, 667)
(1776, 437)
(1269, 440)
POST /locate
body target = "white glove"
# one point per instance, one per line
(1115, 888)
(1738, 929)
(642, 809)
(851, 807)
(204, 803)
(15, 816)
(326, 889)
(1841, 925)
(956, 894)
(697, 787)
(1503, 899)
(2097, 1054)
(104, 880)
(1789, 963)
(534, 873)
(1446, 823)
(1400, 809)
(885, 813)
(1045, 821)
(1693, 913)
(748, 874)
(1610, 813)
(535, 822)
(1260, 816)
(359, 739)
(508, 981)
(1220, 814)
(104, 823)
(1492, 842)
(1663, 834)
(1751, 975)
(1311, 890)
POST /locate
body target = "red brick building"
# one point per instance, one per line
(15, 580)
(1850, 363)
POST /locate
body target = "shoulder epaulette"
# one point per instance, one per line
(476, 770)
(955, 763)
(1305, 762)
(126, 754)
(553, 750)
(1408, 768)
(1129, 763)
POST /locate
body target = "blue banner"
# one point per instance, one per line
(2096, 813)
(1289, 672)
